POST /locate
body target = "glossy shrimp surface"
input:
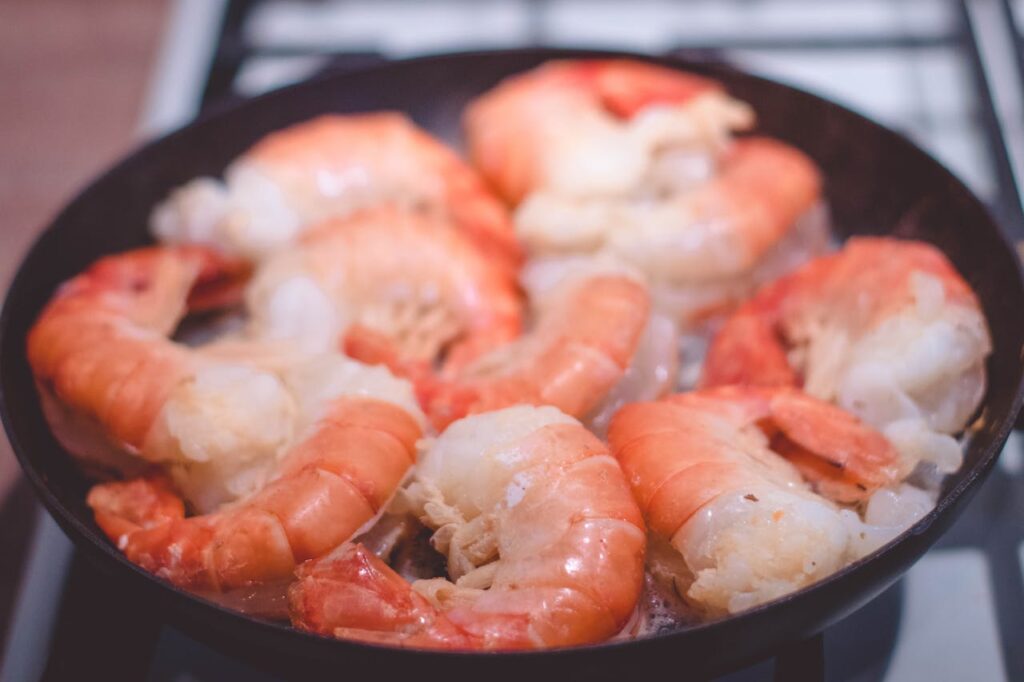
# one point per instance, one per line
(653, 369)
(332, 166)
(583, 339)
(123, 396)
(886, 329)
(100, 351)
(636, 162)
(543, 541)
(385, 277)
(591, 127)
(335, 479)
(726, 480)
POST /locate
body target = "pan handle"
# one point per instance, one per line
(801, 661)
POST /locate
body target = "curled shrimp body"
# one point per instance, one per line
(653, 368)
(326, 487)
(544, 543)
(122, 396)
(722, 476)
(589, 127)
(100, 353)
(333, 166)
(886, 329)
(584, 336)
(407, 281)
(704, 217)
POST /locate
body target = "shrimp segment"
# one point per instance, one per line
(544, 544)
(720, 475)
(333, 166)
(122, 396)
(100, 346)
(563, 125)
(327, 487)
(761, 187)
(100, 350)
(584, 338)
(408, 282)
(635, 163)
(886, 329)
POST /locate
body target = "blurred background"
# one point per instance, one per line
(82, 82)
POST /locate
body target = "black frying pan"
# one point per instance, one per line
(877, 183)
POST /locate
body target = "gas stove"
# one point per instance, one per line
(948, 74)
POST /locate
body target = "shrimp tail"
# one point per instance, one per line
(326, 488)
(352, 593)
(446, 401)
(747, 352)
(146, 519)
(844, 458)
(122, 508)
(220, 282)
(373, 347)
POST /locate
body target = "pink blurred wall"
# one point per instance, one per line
(72, 78)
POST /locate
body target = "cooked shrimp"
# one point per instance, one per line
(99, 350)
(720, 476)
(590, 127)
(584, 338)
(886, 329)
(635, 162)
(653, 369)
(121, 395)
(544, 544)
(325, 489)
(333, 166)
(407, 281)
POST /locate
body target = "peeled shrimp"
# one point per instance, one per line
(100, 352)
(122, 396)
(719, 228)
(327, 167)
(653, 369)
(634, 162)
(724, 478)
(886, 329)
(543, 540)
(404, 283)
(584, 338)
(590, 128)
(326, 488)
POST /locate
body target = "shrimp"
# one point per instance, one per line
(886, 329)
(403, 283)
(635, 162)
(124, 397)
(543, 539)
(590, 127)
(327, 487)
(654, 366)
(327, 167)
(99, 350)
(581, 344)
(726, 480)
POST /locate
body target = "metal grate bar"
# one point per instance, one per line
(1010, 16)
(230, 53)
(1007, 205)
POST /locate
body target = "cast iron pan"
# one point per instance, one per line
(877, 183)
